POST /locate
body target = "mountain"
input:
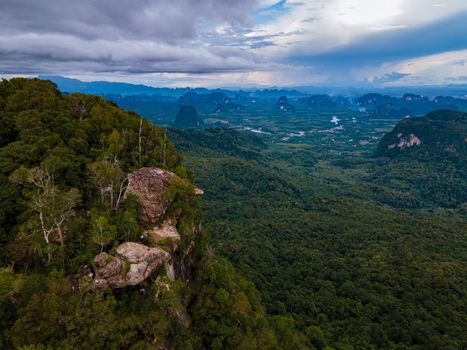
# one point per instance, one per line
(113, 88)
(101, 239)
(283, 104)
(422, 163)
(389, 107)
(276, 93)
(187, 117)
(388, 111)
(440, 134)
(215, 101)
(326, 101)
(374, 100)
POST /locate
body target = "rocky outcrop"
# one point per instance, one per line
(134, 262)
(149, 185)
(131, 265)
(405, 142)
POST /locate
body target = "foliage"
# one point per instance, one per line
(323, 252)
(63, 166)
(102, 233)
(442, 135)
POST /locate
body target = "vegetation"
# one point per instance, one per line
(64, 160)
(441, 135)
(187, 117)
(325, 244)
(346, 245)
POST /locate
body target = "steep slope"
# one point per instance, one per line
(88, 194)
(218, 139)
(353, 274)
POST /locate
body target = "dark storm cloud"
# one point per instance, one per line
(142, 19)
(126, 36)
(277, 41)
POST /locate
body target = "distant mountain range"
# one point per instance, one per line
(125, 89)
(384, 106)
(160, 103)
(106, 87)
(114, 88)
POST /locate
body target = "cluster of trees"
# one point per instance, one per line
(413, 184)
(351, 273)
(61, 155)
(64, 161)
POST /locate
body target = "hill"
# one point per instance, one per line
(422, 163)
(188, 117)
(440, 134)
(101, 240)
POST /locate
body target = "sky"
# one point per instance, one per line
(216, 43)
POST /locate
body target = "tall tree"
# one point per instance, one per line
(102, 232)
(52, 206)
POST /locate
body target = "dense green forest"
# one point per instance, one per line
(364, 252)
(63, 161)
(424, 162)
(357, 248)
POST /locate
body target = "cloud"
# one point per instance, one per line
(107, 19)
(223, 42)
(121, 36)
(345, 37)
(389, 78)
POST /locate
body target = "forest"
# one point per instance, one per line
(63, 161)
(233, 175)
(301, 247)
(369, 250)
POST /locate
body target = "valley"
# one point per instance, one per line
(322, 227)
(233, 175)
(358, 243)
(333, 235)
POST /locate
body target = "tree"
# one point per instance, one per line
(110, 181)
(52, 206)
(102, 233)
